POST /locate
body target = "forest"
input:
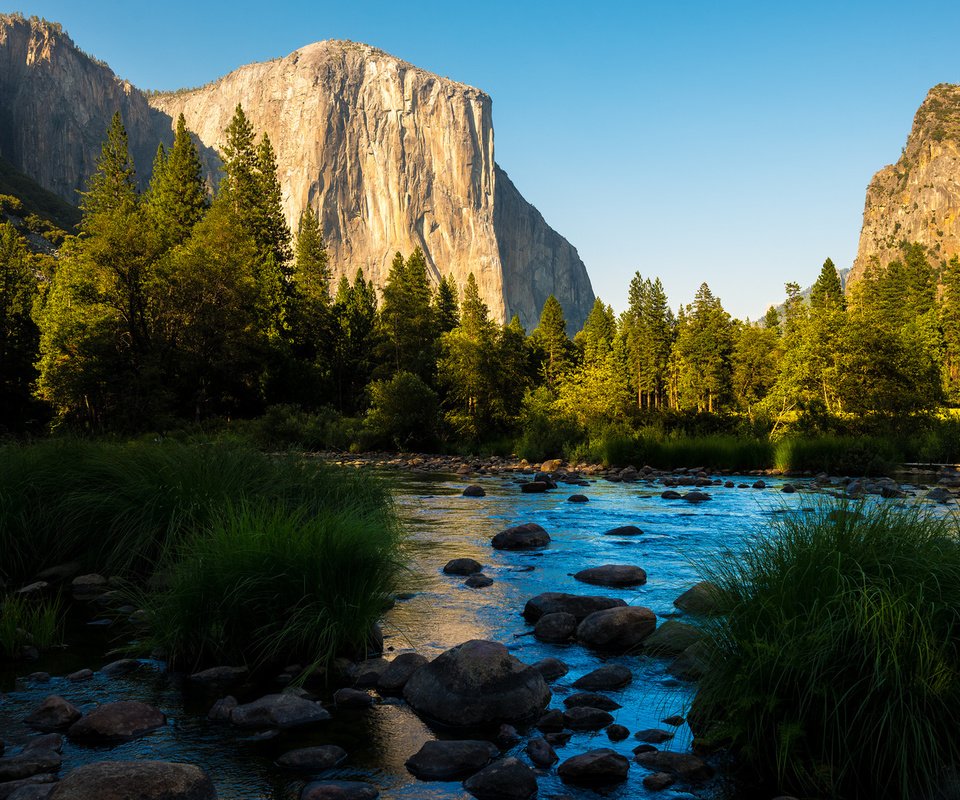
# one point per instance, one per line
(169, 308)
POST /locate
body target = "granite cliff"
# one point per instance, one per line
(392, 156)
(918, 198)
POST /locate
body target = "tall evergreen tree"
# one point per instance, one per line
(827, 289)
(445, 306)
(19, 337)
(551, 341)
(703, 349)
(355, 340)
(177, 198)
(407, 319)
(271, 230)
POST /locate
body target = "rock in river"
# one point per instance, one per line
(339, 790)
(313, 759)
(462, 566)
(605, 678)
(595, 768)
(555, 628)
(613, 575)
(529, 536)
(450, 760)
(278, 711)
(617, 629)
(396, 675)
(507, 779)
(135, 780)
(475, 683)
(53, 714)
(579, 605)
(116, 722)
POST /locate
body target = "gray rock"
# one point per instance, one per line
(29, 763)
(617, 733)
(366, 674)
(396, 675)
(462, 566)
(475, 683)
(684, 766)
(529, 536)
(339, 790)
(551, 668)
(473, 490)
(36, 786)
(617, 629)
(691, 664)
(658, 781)
(80, 675)
(478, 581)
(939, 495)
(653, 735)
(352, 698)
(585, 718)
(592, 700)
(122, 667)
(450, 760)
(85, 587)
(117, 722)
(53, 714)
(135, 780)
(555, 628)
(507, 779)
(672, 638)
(34, 589)
(220, 678)
(701, 598)
(278, 711)
(595, 768)
(578, 498)
(605, 678)
(624, 530)
(221, 710)
(541, 752)
(615, 575)
(313, 759)
(551, 721)
(581, 606)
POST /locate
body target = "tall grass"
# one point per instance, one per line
(839, 455)
(836, 668)
(29, 621)
(615, 446)
(270, 585)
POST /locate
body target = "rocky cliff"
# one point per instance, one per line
(918, 198)
(392, 156)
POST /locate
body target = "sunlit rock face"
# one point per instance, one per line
(391, 156)
(918, 198)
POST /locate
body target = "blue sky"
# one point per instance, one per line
(730, 143)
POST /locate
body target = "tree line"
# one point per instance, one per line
(171, 304)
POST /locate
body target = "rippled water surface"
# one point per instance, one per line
(443, 612)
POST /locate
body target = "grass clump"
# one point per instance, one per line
(835, 670)
(29, 622)
(268, 585)
(838, 455)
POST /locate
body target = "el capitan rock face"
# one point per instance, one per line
(392, 156)
(918, 198)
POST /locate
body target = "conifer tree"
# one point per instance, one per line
(407, 319)
(550, 339)
(177, 197)
(19, 337)
(271, 229)
(827, 290)
(445, 306)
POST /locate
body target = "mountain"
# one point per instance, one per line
(918, 198)
(392, 156)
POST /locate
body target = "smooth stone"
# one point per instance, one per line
(653, 735)
(122, 667)
(595, 768)
(676, 720)
(313, 759)
(615, 575)
(684, 766)
(31, 589)
(116, 722)
(28, 787)
(788, 488)
(478, 581)
(366, 674)
(352, 698)
(278, 711)
(339, 790)
(475, 683)
(584, 718)
(507, 779)
(529, 536)
(450, 760)
(558, 738)
(29, 763)
(624, 530)
(135, 780)
(671, 494)
(53, 714)
(80, 675)
(473, 490)
(701, 598)
(759, 485)
(672, 638)
(221, 678)
(535, 487)
(462, 566)
(691, 664)
(555, 628)
(551, 668)
(605, 678)
(592, 700)
(617, 733)
(398, 672)
(658, 781)
(617, 629)
(45, 743)
(551, 721)
(697, 497)
(221, 710)
(581, 606)
(578, 498)
(541, 752)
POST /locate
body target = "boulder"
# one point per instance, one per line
(555, 628)
(529, 536)
(36, 787)
(581, 606)
(221, 710)
(396, 675)
(592, 700)
(135, 780)
(473, 490)
(220, 678)
(617, 629)
(701, 598)
(691, 664)
(123, 666)
(585, 718)
(616, 733)
(615, 575)
(53, 714)
(939, 495)
(595, 768)
(29, 763)
(759, 485)
(475, 683)
(478, 581)
(450, 760)
(535, 487)
(696, 496)
(367, 673)
(339, 790)
(672, 638)
(551, 668)
(578, 498)
(624, 530)
(551, 465)
(507, 779)
(551, 721)
(278, 711)
(85, 587)
(671, 494)
(313, 759)
(653, 735)
(352, 698)
(788, 488)
(541, 752)
(462, 566)
(605, 678)
(116, 722)
(684, 766)
(658, 781)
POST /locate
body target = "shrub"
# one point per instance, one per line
(27, 621)
(836, 668)
(403, 411)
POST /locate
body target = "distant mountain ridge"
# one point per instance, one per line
(392, 157)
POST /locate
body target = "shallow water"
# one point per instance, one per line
(443, 613)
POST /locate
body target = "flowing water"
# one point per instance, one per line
(442, 612)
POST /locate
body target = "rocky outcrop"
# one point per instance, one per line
(393, 157)
(918, 198)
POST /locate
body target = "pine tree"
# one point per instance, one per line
(407, 319)
(445, 307)
(355, 339)
(271, 230)
(827, 290)
(599, 329)
(311, 270)
(550, 339)
(703, 350)
(950, 322)
(19, 337)
(177, 198)
(112, 188)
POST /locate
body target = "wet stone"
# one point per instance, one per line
(313, 759)
(462, 566)
(541, 752)
(615, 575)
(352, 698)
(584, 718)
(581, 606)
(507, 779)
(624, 530)
(653, 735)
(555, 628)
(450, 760)
(529, 536)
(595, 768)
(473, 490)
(398, 672)
(53, 714)
(617, 733)
(339, 790)
(278, 711)
(658, 781)
(686, 767)
(478, 581)
(80, 675)
(143, 780)
(551, 668)
(592, 700)
(578, 498)
(605, 678)
(117, 722)
(617, 629)
(220, 711)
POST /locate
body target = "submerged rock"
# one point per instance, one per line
(475, 683)
(339, 790)
(585, 718)
(117, 722)
(313, 759)
(529, 536)
(135, 780)
(595, 768)
(541, 752)
(278, 711)
(551, 668)
(450, 760)
(613, 575)
(684, 766)
(592, 700)
(605, 678)
(473, 490)
(53, 714)
(580, 606)
(507, 779)
(478, 581)
(672, 638)
(624, 530)
(462, 566)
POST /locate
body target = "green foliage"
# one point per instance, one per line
(177, 198)
(355, 339)
(839, 621)
(838, 455)
(407, 319)
(31, 198)
(26, 621)
(546, 432)
(446, 309)
(550, 342)
(268, 585)
(702, 354)
(403, 411)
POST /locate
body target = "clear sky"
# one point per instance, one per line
(726, 142)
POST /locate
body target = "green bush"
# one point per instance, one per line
(403, 411)
(28, 621)
(835, 670)
(546, 432)
(267, 585)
